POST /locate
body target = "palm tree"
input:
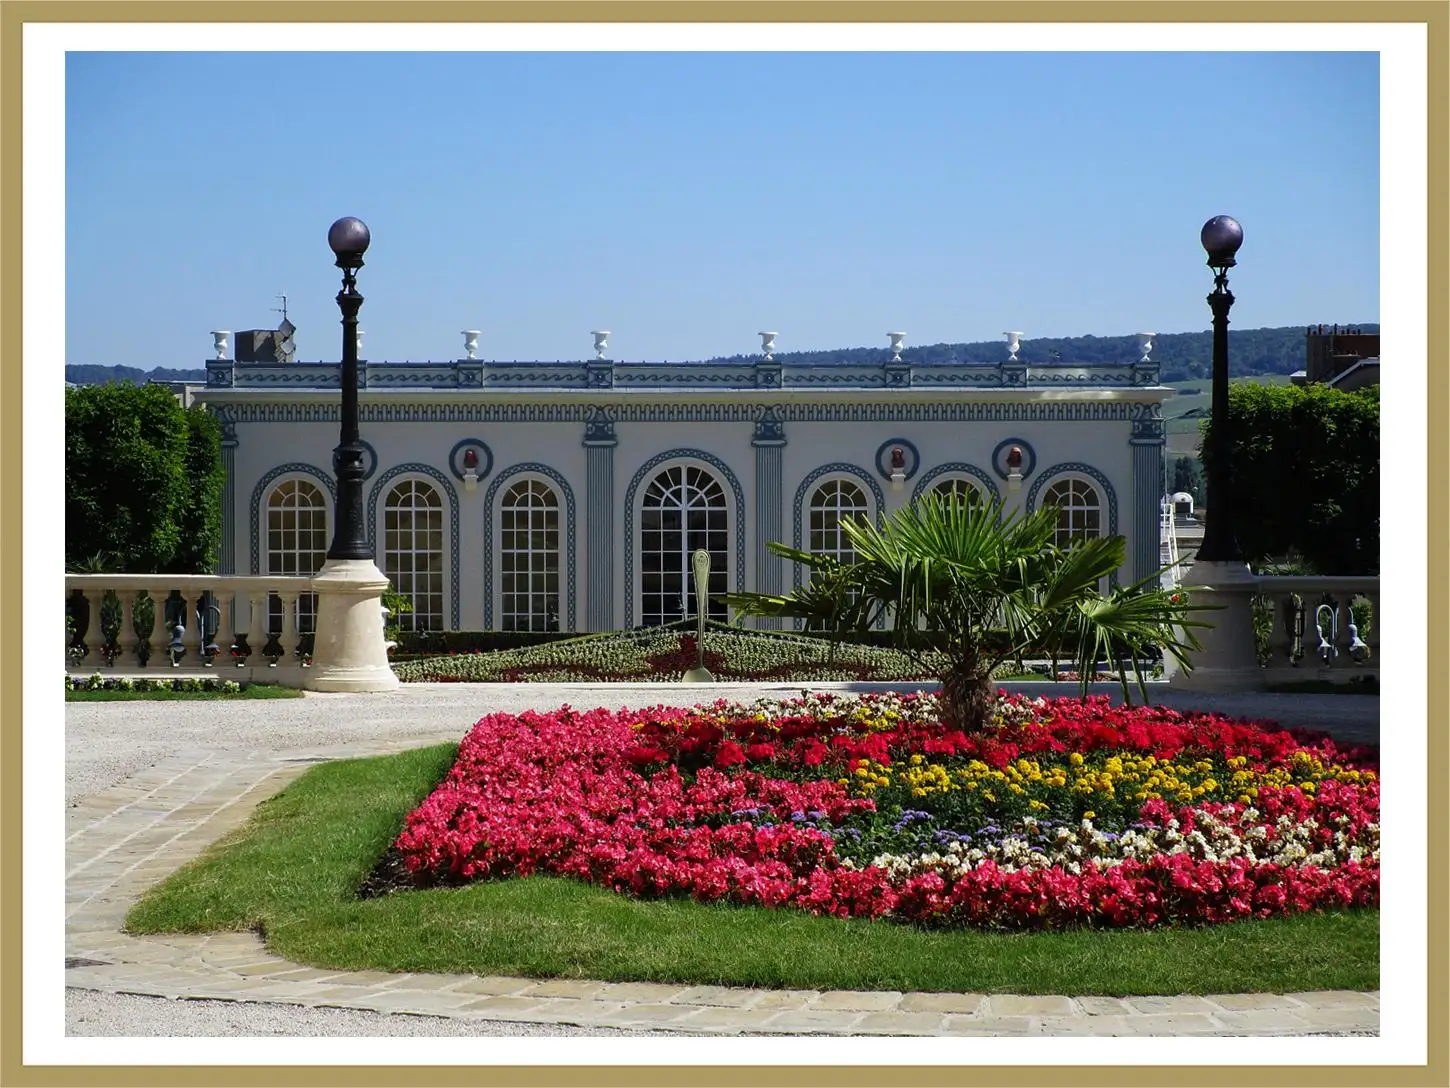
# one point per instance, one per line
(982, 588)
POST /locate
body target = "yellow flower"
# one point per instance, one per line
(1089, 814)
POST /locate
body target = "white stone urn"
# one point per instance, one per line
(897, 339)
(1145, 345)
(219, 339)
(470, 342)
(1014, 344)
(601, 342)
(767, 344)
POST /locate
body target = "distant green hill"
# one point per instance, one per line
(1182, 356)
(88, 374)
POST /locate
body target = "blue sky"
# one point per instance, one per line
(687, 200)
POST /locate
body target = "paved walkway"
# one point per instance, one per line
(125, 838)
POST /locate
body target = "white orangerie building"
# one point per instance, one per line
(534, 496)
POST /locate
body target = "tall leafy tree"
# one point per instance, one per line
(1188, 477)
(143, 480)
(1304, 464)
(984, 587)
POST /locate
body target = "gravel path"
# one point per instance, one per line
(90, 1012)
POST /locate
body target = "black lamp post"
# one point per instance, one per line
(1222, 236)
(349, 239)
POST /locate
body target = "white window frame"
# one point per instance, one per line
(841, 548)
(1067, 533)
(717, 521)
(537, 620)
(307, 602)
(409, 621)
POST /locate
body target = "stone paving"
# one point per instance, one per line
(123, 840)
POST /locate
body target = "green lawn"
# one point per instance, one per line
(294, 870)
(251, 691)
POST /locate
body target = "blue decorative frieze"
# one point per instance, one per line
(683, 376)
(769, 428)
(791, 411)
(474, 374)
(386, 376)
(287, 376)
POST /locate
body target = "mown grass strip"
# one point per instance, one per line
(253, 691)
(295, 868)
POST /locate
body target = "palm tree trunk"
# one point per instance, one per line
(967, 698)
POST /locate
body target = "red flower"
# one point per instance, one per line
(729, 754)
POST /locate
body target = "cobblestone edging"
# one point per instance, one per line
(123, 840)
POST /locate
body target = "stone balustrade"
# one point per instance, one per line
(1308, 622)
(1314, 633)
(241, 645)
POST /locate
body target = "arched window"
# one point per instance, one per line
(413, 552)
(529, 558)
(832, 503)
(296, 544)
(1079, 508)
(961, 487)
(683, 510)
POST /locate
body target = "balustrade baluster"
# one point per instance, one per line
(1282, 618)
(1376, 625)
(95, 641)
(257, 629)
(223, 637)
(160, 636)
(126, 639)
(289, 640)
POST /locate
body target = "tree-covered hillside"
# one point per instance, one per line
(89, 374)
(1181, 355)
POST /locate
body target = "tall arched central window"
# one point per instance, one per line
(529, 558)
(832, 503)
(1079, 510)
(413, 552)
(683, 510)
(296, 544)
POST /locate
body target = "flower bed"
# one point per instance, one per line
(1066, 813)
(665, 655)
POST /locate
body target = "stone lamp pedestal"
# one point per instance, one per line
(1228, 661)
(349, 653)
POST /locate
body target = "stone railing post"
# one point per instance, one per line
(95, 641)
(257, 628)
(158, 638)
(288, 639)
(1228, 660)
(126, 639)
